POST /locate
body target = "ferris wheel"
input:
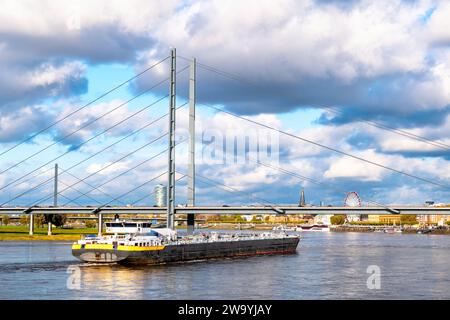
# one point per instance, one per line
(352, 199)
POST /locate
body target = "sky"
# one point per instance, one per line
(331, 72)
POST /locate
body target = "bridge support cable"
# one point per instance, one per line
(67, 198)
(100, 225)
(100, 151)
(75, 199)
(119, 175)
(31, 224)
(330, 148)
(266, 203)
(55, 199)
(98, 210)
(61, 171)
(92, 138)
(105, 167)
(376, 124)
(136, 166)
(410, 135)
(84, 106)
(84, 160)
(18, 182)
(320, 183)
(191, 151)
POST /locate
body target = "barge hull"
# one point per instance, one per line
(189, 252)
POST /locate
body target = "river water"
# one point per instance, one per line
(326, 266)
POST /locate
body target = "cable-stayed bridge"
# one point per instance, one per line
(116, 205)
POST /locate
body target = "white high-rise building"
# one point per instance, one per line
(160, 195)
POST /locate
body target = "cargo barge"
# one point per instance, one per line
(140, 243)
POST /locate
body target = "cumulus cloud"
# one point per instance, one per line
(115, 118)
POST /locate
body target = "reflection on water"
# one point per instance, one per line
(327, 265)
